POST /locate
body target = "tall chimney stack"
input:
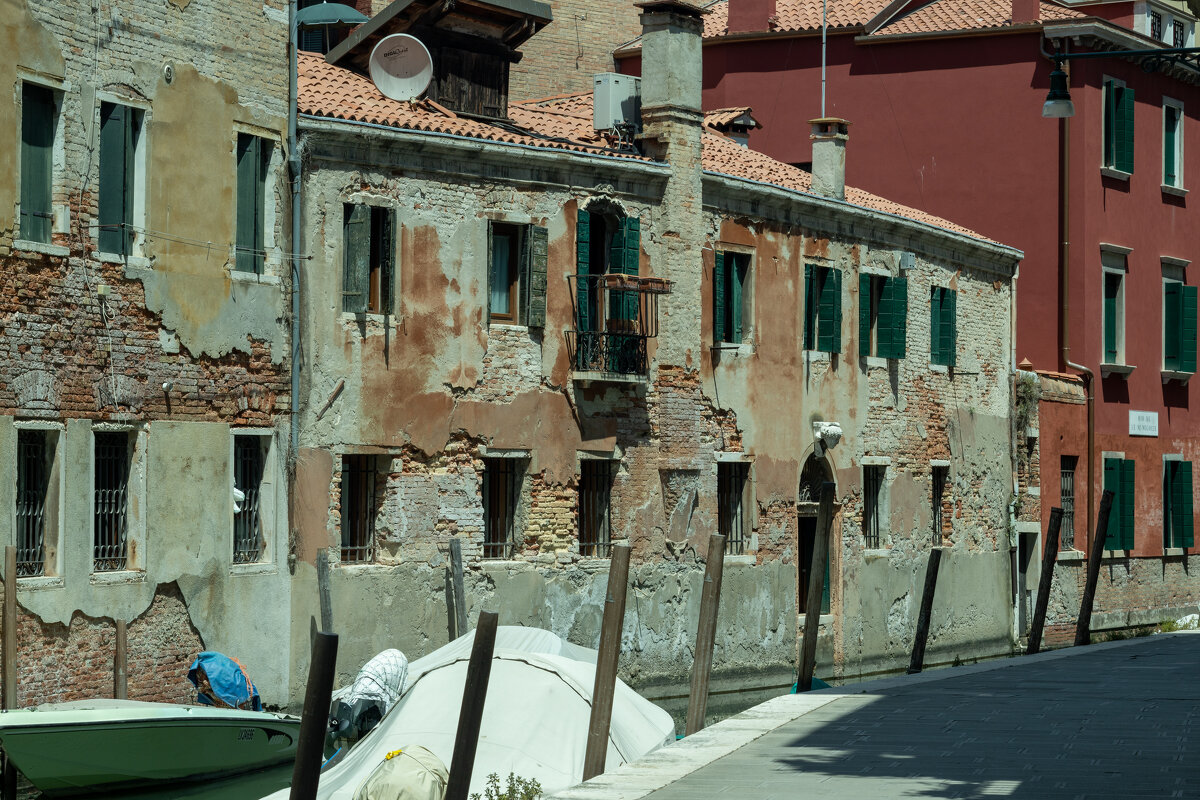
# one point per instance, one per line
(1025, 11)
(829, 135)
(746, 16)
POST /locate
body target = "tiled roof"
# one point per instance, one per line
(800, 15)
(957, 15)
(325, 90)
(563, 122)
(728, 116)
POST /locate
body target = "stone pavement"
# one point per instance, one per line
(1115, 720)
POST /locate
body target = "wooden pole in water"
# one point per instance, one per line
(1049, 558)
(456, 582)
(466, 740)
(606, 662)
(323, 590)
(706, 634)
(816, 586)
(120, 663)
(917, 661)
(315, 720)
(1083, 627)
(10, 655)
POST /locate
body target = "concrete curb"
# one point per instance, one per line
(663, 767)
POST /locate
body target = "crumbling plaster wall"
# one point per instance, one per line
(175, 314)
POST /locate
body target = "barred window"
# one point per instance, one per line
(358, 508)
(249, 463)
(731, 513)
(34, 450)
(1178, 34)
(1066, 501)
(1156, 28)
(872, 505)
(501, 496)
(113, 455)
(595, 507)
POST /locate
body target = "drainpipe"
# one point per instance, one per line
(1064, 270)
(294, 170)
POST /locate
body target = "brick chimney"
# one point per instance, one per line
(829, 135)
(750, 15)
(671, 71)
(1025, 11)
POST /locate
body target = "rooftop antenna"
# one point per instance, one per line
(824, 28)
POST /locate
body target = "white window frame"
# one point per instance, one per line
(882, 503)
(1114, 260)
(1178, 186)
(1106, 169)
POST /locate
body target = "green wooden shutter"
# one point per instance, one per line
(633, 245)
(836, 300)
(950, 328)
(1112, 483)
(719, 299)
(583, 244)
(1170, 131)
(37, 162)
(1110, 124)
(387, 260)
(1183, 507)
(737, 283)
(537, 250)
(898, 322)
(1187, 333)
(810, 307)
(1112, 285)
(1125, 129)
(356, 260)
(829, 315)
(864, 315)
(1172, 324)
(246, 213)
(1127, 504)
(111, 203)
(935, 325)
(624, 255)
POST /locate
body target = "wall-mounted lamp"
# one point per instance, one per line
(1058, 101)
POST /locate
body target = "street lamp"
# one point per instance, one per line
(1058, 102)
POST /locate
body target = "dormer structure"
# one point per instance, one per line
(472, 42)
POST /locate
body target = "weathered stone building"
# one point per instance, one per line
(522, 334)
(143, 339)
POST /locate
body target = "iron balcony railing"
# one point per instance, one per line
(614, 316)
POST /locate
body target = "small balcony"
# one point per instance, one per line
(614, 316)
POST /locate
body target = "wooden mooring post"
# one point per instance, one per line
(1049, 559)
(458, 597)
(816, 586)
(917, 661)
(314, 721)
(470, 717)
(10, 655)
(1083, 627)
(121, 662)
(706, 634)
(606, 662)
(323, 590)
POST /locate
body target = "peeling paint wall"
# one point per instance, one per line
(170, 344)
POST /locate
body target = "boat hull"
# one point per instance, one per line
(66, 751)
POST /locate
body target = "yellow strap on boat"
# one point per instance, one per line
(392, 755)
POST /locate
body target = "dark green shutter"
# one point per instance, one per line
(624, 254)
(810, 307)
(1112, 285)
(1112, 483)
(935, 325)
(1182, 505)
(1187, 333)
(633, 245)
(1110, 124)
(719, 299)
(1125, 129)
(835, 299)
(537, 240)
(737, 275)
(37, 162)
(387, 259)
(897, 289)
(249, 242)
(864, 315)
(356, 261)
(113, 190)
(1170, 131)
(583, 244)
(829, 313)
(1127, 504)
(1172, 324)
(950, 328)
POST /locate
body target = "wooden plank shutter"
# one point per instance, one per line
(897, 288)
(1172, 324)
(533, 281)
(810, 307)
(833, 286)
(1187, 331)
(864, 315)
(1125, 129)
(623, 258)
(1127, 504)
(37, 162)
(1111, 286)
(719, 300)
(246, 214)
(825, 308)
(132, 130)
(1110, 124)
(949, 328)
(1169, 134)
(583, 244)
(356, 261)
(111, 203)
(737, 284)
(387, 260)
(1184, 508)
(1112, 483)
(935, 325)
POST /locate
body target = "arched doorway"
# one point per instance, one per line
(815, 472)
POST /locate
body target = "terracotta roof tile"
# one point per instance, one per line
(800, 15)
(727, 116)
(956, 15)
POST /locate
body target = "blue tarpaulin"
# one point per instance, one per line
(222, 681)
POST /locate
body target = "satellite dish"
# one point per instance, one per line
(401, 67)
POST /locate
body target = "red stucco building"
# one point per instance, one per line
(945, 100)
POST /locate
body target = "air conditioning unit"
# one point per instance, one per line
(616, 101)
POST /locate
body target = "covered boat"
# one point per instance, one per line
(535, 717)
(103, 745)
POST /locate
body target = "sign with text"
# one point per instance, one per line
(1143, 423)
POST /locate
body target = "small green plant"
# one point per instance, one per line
(517, 788)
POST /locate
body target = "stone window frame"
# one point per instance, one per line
(1177, 188)
(1166, 503)
(136, 488)
(748, 503)
(52, 564)
(272, 478)
(746, 346)
(881, 507)
(335, 232)
(59, 192)
(137, 257)
(522, 495)
(1114, 260)
(613, 459)
(1174, 271)
(273, 257)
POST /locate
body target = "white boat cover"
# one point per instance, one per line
(382, 678)
(535, 718)
(410, 774)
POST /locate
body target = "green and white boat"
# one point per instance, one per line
(92, 746)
